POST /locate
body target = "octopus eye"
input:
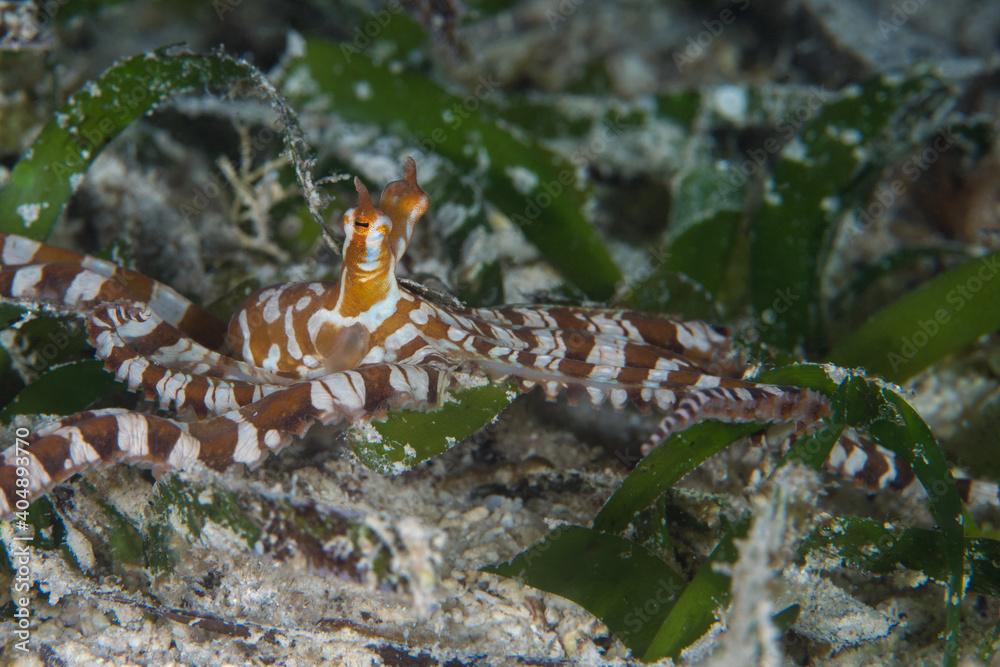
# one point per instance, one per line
(358, 223)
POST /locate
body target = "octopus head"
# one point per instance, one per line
(367, 232)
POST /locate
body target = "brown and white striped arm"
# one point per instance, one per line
(145, 357)
(142, 350)
(743, 404)
(148, 336)
(60, 287)
(608, 369)
(684, 369)
(169, 384)
(708, 345)
(87, 283)
(871, 466)
(246, 436)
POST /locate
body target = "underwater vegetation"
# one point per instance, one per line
(749, 205)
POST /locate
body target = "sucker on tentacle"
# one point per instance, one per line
(348, 351)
